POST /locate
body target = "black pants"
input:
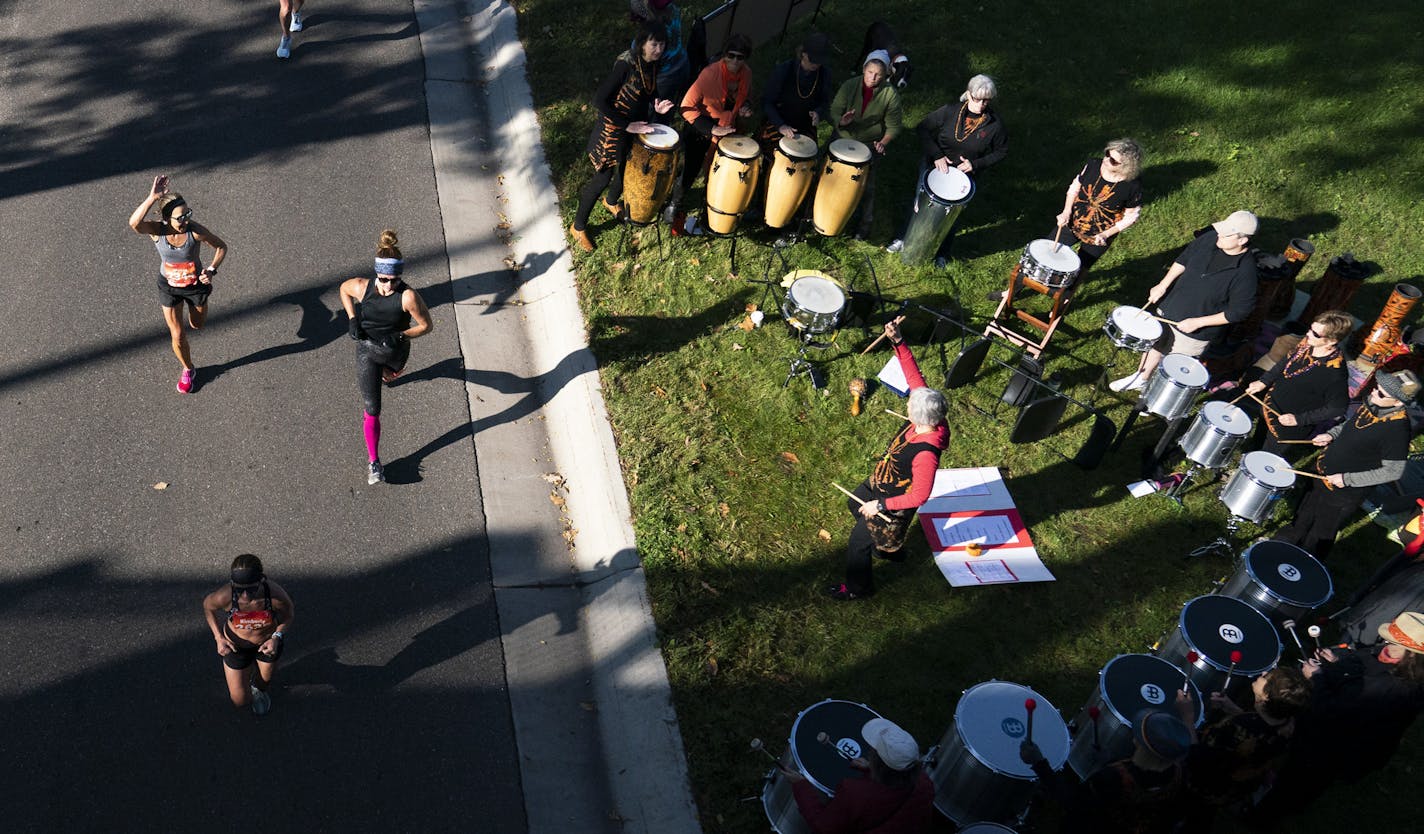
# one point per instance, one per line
(1319, 517)
(872, 538)
(609, 178)
(372, 360)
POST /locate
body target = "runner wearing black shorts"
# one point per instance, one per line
(249, 618)
(183, 281)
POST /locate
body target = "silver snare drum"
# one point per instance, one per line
(1260, 480)
(1051, 268)
(1215, 434)
(1132, 328)
(822, 765)
(1170, 391)
(978, 775)
(814, 302)
(1214, 627)
(1280, 580)
(1129, 683)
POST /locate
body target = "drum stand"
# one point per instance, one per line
(628, 225)
(800, 365)
(1221, 546)
(1101, 383)
(1018, 283)
(732, 235)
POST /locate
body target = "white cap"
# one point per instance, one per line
(877, 55)
(896, 748)
(1239, 223)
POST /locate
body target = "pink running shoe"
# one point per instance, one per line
(185, 382)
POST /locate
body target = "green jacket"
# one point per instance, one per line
(881, 119)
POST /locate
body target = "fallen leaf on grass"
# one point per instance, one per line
(751, 307)
(682, 528)
(695, 261)
(790, 457)
(711, 590)
(736, 346)
(658, 389)
(161, 485)
(723, 509)
(747, 324)
(712, 666)
(824, 535)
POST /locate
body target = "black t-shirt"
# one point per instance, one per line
(1210, 284)
(1100, 203)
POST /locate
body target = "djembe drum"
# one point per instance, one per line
(1335, 289)
(1384, 336)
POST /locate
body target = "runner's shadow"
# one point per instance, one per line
(318, 328)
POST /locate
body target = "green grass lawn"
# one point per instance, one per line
(1309, 116)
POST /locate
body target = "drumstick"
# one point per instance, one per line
(1030, 705)
(756, 745)
(1240, 397)
(1294, 441)
(826, 740)
(849, 494)
(1268, 409)
(1165, 321)
(1192, 658)
(1235, 659)
(897, 414)
(880, 338)
(1290, 626)
(1056, 235)
(1310, 475)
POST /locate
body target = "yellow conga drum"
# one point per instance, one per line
(793, 169)
(841, 185)
(731, 182)
(650, 173)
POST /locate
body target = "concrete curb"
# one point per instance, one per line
(552, 379)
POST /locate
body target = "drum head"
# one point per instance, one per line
(841, 722)
(992, 723)
(1216, 626)
(1134, 682)
(951, 186)
(817, 294)
(1268, 469)
(1289, 573)
(849, 150)
(1185, 371)
(1064, 260)
(739, 147)
(1226, 418)
(799, 146)
(662, 138)
(1137, 322)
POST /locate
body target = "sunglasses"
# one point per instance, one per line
(389, 279)
(1315, 334)
(1113, 161)
(184, 216)
(247, 590)
(735, 56)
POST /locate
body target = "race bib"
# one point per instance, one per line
(250, 620)
(184, 274)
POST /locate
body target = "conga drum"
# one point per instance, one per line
(731, 182)
(793, 169)
(942, 195)
(839, 189)
(650, 173)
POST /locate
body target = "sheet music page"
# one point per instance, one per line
(983, 529)
(893, 377)
(991, 570)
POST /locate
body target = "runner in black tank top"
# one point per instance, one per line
(249, 618)
(182, 278)
(384, 315)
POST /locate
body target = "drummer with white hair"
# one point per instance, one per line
(1210, 285)
(891, 794)
(885, 503)
(968, 136)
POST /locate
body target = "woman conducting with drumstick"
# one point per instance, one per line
(1103, 201)
(625, 101)
(884, 504)
(968, 136)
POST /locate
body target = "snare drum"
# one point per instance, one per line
(1260, 480)
(814, 301)
(793, 169)
(1170, 391)
(1132, 328)
(731, 182)
(1128, 684)
(1280, 580)
(977, 773)
(1218, 430)
(942, 195)
(839, 189)
(651, 172)
(1051, 268)
(1214, 627)
(822, 765)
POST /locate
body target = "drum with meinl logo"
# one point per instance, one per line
(976, 769)
(942, 195)
(1102, 732)
(1280, 580)
(1170, 392)
(1214, 627)
(824, 764)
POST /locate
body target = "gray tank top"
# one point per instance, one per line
(180, 264)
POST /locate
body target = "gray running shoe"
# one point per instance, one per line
(296, 25)
(261, 702)
(284, 49)
(895, 245)
(376, 474)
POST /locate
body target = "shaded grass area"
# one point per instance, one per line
(1315, 126)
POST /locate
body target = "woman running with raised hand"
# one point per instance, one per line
(182, 278)
(384, 315)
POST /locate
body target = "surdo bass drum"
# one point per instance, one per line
(1102, 732)
(824, 764)
(1213, 627)
(941, 196)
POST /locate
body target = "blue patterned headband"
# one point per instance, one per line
(389, 266)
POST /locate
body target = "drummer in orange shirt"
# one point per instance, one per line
(721, 94)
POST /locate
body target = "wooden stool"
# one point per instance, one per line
(999, 324)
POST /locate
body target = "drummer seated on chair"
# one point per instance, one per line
(1210, 285)
(1367, 450)
(891, 795)
(1141, 793)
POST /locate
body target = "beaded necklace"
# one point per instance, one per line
(970, 121)
(1307, 361)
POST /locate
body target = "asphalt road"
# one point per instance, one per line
(391, 711)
